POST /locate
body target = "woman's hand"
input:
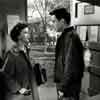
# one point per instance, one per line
(24, 91)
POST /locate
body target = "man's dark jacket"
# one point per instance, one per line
(69, 64)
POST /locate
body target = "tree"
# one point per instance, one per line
(42, 7)
(64, 3)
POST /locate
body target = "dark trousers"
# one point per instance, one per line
(66, 98)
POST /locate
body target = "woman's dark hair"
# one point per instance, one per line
(15, 32)
(61, 13)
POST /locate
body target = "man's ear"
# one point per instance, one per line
(62, 21)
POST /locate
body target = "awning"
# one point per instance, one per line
(93, 2)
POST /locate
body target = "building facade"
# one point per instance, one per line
(86, 18)
(11, 11)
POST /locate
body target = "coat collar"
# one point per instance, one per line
(70, 28)
(68, 31)
(15, 50)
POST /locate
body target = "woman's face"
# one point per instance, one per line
(25, 35)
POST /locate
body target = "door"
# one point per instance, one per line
(3, 33)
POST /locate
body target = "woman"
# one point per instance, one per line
(19, 74)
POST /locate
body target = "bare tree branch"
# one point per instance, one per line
(46, 4)
(39, 13)
(45, 11)
(41, 3)
(36, 7)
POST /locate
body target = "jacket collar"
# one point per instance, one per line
(70, 28)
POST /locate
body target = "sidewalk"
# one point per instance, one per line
(97, 97)
(49, 93)
(86, 97)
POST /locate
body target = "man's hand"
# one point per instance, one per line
(60, 94)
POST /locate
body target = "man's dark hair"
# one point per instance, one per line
(15, 32)
(61, 13)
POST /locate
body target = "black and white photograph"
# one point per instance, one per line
(49, 49)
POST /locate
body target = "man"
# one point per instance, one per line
(69, 64)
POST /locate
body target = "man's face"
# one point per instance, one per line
(25, 36)
(58, 24)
